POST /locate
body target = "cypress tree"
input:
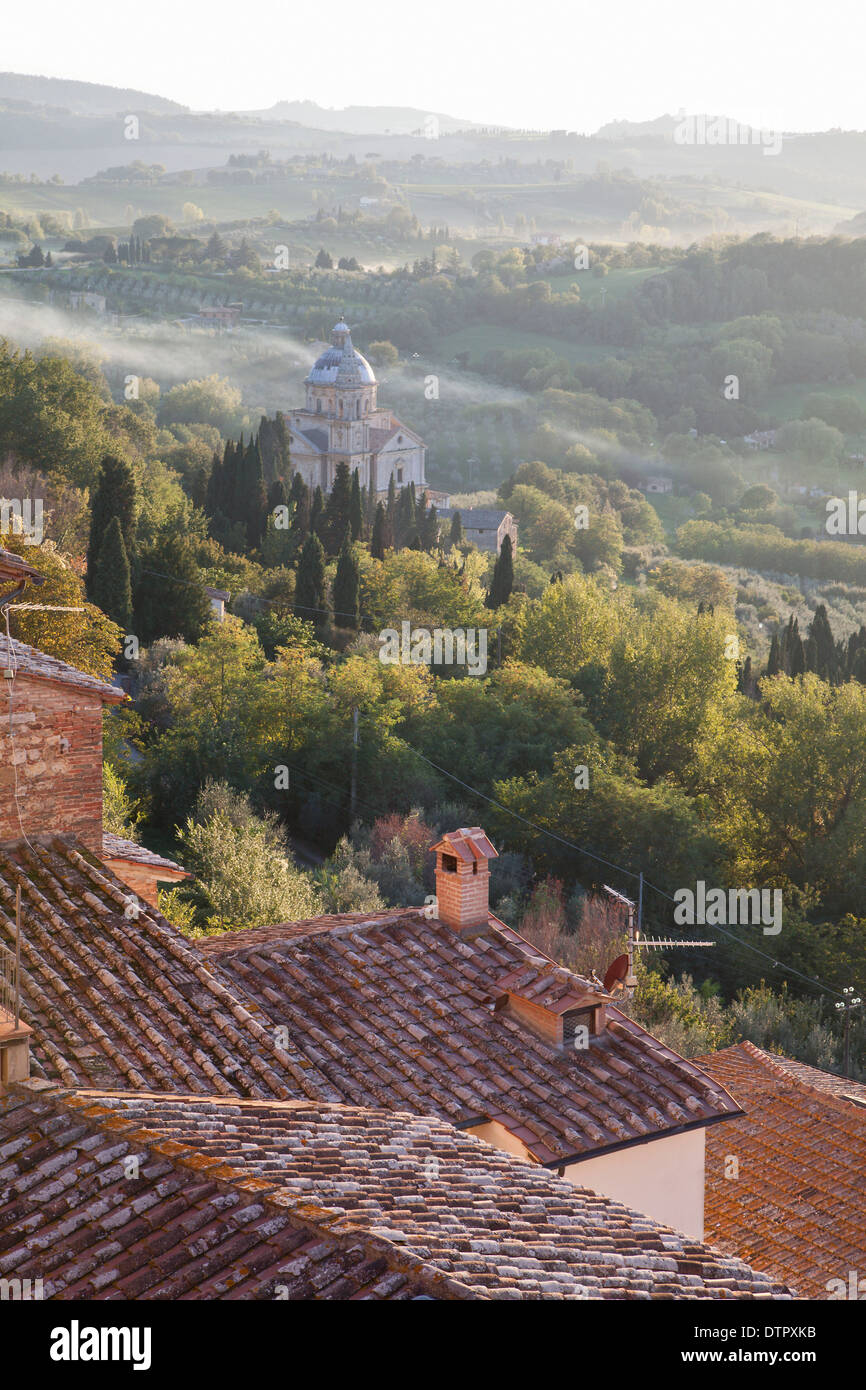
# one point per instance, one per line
(356, 507)
(377, 540)
(825, 655)
(317, 507)
(796, 655)
(255, 497)
(347, 584)
(774, 662)
(282, 441)
(391, 513)
(430, 530)
(299, 497)
(277, 495)
(455, 535)
(214, 487)
(112, 590)
(310, 583)
(503, 576)
(233, 499)
(337, 510)
(114, 496)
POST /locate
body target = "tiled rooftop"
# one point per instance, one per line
(114, 847)
(390, 1010)
(796, 1207)
(13, 568)
(29, 661)
(399, 1012)
(117, 997)
(251, 1200)
(833, 1084)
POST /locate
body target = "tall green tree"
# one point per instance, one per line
(347, 584)
(503, 576)
(338, 510)
(317, 510)
(299, 499)
(310, 586)
(114, 497)
(170, 600)
(377, 540)
(112, 589)
(255, 502)
(356, 508)
(455, 535)
(430, 530)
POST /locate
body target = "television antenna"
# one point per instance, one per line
(621, 971)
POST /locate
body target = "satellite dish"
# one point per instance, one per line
(616, 973)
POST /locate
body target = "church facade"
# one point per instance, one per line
(342, 422)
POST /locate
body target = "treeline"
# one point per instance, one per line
(766, 548)
(148, 590)
(833, 660)
(757, 275)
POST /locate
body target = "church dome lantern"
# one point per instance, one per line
(341, 364)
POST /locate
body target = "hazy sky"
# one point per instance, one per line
(788, 64)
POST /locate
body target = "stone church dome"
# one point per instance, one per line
(341, 364)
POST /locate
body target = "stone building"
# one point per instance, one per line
(485, 527)
(342, 422)
(51, 762)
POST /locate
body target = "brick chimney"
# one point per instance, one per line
(463, 879)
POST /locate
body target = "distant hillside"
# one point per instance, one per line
(361, 120)
(629, 130)
(81, 98)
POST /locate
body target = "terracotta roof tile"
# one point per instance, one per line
(118, 997)
(399, 1011)
(114, 847)
(29, 661)
(236, 1199)
(13, 568)
(796, 1206)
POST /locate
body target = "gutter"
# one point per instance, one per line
(643, 1139)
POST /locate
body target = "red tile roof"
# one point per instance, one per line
(469, 844)
(118, 997)
(833, 1084)
(261, 1201)
(13, 568)
(29, 661)
(796, 1206)
(399, 1012)
(114, 847)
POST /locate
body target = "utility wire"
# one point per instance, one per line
(620, 868)
(541, 830)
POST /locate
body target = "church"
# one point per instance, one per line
(343, 423)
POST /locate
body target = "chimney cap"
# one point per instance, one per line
(467, 844)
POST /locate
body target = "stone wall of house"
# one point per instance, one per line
(56, 747)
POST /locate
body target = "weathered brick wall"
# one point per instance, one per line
(462, 897)
(56, 745)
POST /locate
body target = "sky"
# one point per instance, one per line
(777, 64)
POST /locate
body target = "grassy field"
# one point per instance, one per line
(608, 289)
